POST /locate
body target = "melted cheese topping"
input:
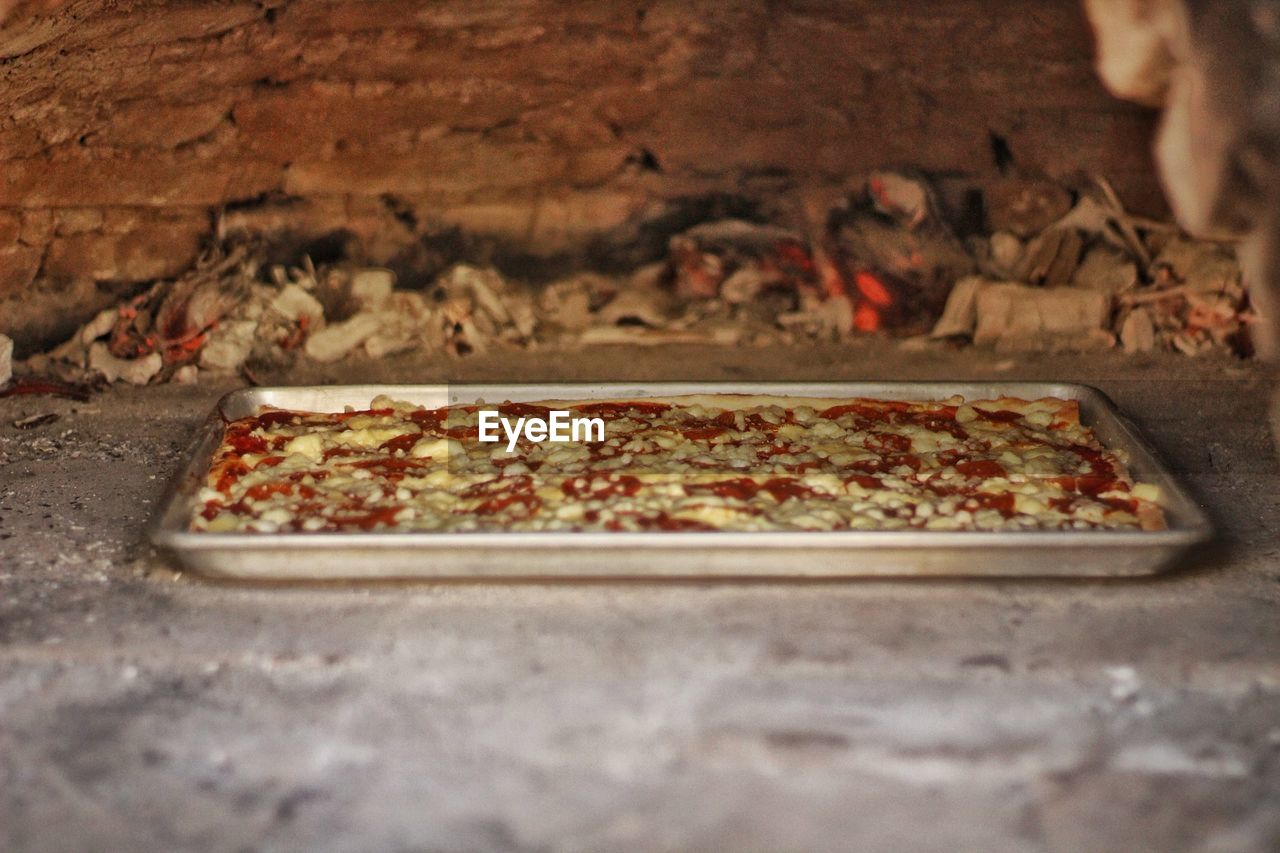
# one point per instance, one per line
(677, 465)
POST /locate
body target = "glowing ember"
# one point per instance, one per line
(873, 289)
(867, 294)
(866, 318)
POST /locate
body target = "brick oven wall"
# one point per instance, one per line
(127, 129)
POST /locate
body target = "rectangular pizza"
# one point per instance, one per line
(681, 463)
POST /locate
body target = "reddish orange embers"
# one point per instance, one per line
(875, 298)
(869, 296)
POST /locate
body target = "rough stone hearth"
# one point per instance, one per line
(130, 131)
(139, 710)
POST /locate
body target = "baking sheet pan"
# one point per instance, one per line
(657, 554)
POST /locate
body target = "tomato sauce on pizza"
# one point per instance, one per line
(696, 463)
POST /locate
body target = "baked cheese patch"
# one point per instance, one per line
(704, 463)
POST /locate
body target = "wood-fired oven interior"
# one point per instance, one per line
(218, 188)
(197, 196)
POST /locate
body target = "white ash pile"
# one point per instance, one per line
(222, 318)
(226, 316)
(1060, 271)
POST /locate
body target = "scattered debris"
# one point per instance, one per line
(403, 322)
(960, 315)
(333, 342)
(638, 307)
(567, 304)
(824, 319)
(907, 199)
(1123, 222)
(372, 288)
(172, 320)
(1137, 332)
(229, 345)
(185, 375)
(36, 420)
(1026, 205)
(135, 371)
(1059, 270)
(1051, 258)
(724, 336)
(488, 307)
(295, 304)
(1004, 252)
(1107, 269)
(33, 386)
(1204, 267)
(1015, 317)
(6, 360)
(1153, 287)
(703, 257)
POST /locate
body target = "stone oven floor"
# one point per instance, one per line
(144, 710)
